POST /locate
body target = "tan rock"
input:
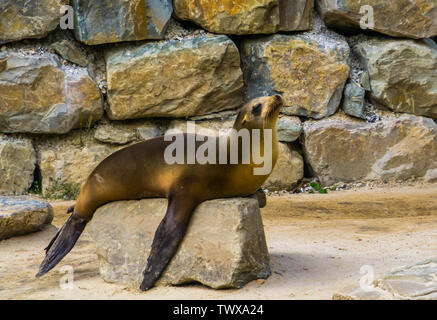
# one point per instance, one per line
(38, 95)
(21, 19)
(22, 215)
(17, 164)
(309, 76)
(288, 170)
(397, 147)
(231, 16)
(207, 127)
(398, 18)
(227, 253)
(124, 132)
(65, 162)
(174, 78)
(114, 134)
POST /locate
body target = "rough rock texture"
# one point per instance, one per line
(414, 282)
(17, 163)
(288, 128)
(21, 19)
(295, 15)
(206, 127)
(353, 100)
(66, 162)
(231, 16)
(309, 75)
(38, 95)
(204, 77)
(399, 18)
(22, 215)
(70, 51)
(116, 132)
(403, 75)
(225, 254)
(288, 170)
(397, 147)
(120, 20)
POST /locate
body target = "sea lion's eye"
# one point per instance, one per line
(256, 110)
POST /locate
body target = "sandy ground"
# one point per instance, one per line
(317, 243)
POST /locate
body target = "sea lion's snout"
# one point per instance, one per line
(278, 102)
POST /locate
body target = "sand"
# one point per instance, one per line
(317, 243)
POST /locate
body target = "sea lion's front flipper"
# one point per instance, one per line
(61, 244)
(167, 238)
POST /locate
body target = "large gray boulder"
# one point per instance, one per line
(22, 215)
(224, 246)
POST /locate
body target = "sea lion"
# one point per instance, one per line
(140, 171)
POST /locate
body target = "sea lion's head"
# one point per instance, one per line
(259, 113)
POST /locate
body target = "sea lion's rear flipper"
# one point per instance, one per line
(167, 238)
(62, 243)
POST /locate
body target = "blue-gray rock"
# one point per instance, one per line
(119, 20)
(22, 215)
(288, 128)
(353, 100)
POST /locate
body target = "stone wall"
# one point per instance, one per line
(359, 79)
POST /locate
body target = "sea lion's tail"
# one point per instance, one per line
(62, 243)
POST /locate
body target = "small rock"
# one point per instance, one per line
(414, 282)
(71, 52)
(115, 135)
(288, 170)
(22, 215)
(288, 128)
(353, 100)
(431, 176)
